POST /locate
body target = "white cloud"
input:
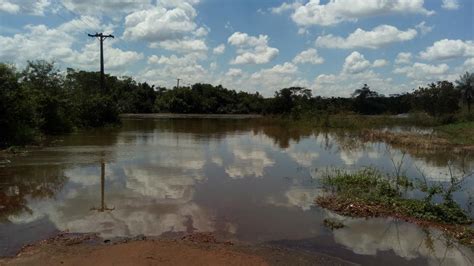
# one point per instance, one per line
(355, 63)
(403, 58)
(309, 56)
(336, 11)
(182, 46)
(423, 28)
(355, 72)
(160, 24)
(378, 37)
(234, 72)
(469, 64)
(115, 59)
(380, 63)
(344, 84)
(57, 44)
(286, 7)
(421, 71)
(201, 32)
(220, 49)
(36, 7)
(165, 69)
(448, 49)
(109, 8)
(252, 50)
(450, 4)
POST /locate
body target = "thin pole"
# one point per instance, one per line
(102, 75)
(102, 185)
(177, 86)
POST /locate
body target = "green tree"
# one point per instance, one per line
(18, 121)
(465, 84)
(53, 101)
(367, 101)
(437, 99)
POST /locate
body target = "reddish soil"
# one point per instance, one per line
(196, 249)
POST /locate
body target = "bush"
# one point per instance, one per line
(97, 111)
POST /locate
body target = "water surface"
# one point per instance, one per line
(246, 180)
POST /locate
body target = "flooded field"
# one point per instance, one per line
(245, 180)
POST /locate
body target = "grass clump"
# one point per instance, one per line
(368, 193)
(458, 133)
(333, 224)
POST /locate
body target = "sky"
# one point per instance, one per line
(329, 46)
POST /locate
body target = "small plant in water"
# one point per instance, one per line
(333, 224)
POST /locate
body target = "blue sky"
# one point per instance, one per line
(329, 46)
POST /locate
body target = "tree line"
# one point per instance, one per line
(41, 100)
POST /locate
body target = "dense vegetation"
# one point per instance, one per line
(42, 100)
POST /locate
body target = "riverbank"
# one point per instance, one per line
(196, 249)
(367, 193)
(200, 116)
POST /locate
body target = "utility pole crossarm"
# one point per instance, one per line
(101, 35)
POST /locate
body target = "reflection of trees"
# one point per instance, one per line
(18, 185)
(280, 132)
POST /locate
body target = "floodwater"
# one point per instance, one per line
(246, 180)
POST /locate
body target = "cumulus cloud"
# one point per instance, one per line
(37, 7)
(403, 58)
(423, 71)
(448, 49)
(220, 49)
(164, 69)
(278, 76)
(337, 11)
(182, 46)
(160, 24)
(469, 64)
(355, 63)
(252, 50)
(109, 8)
(234, 72)
(344, 84)
(355, 72)
(450, 4)
(286, 7)
(309, 56)
(423, 28)
(57, 44)
(378, 37)
(380, 63)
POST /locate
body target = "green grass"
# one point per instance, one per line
(457, 133)
(370, 187)
(351, 121)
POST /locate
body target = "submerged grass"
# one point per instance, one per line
(368, 193)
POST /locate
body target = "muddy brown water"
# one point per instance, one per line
(247, 180)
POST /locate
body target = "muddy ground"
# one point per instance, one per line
(196, 249)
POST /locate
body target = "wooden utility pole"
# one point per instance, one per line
(101, 38)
